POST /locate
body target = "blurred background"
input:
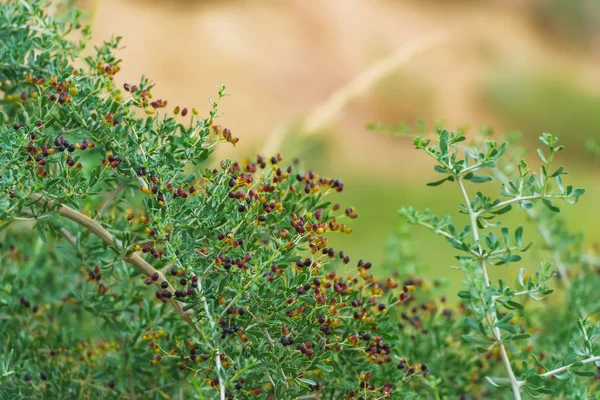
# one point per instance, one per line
(307, 77)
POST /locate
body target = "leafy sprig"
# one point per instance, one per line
(495, 329)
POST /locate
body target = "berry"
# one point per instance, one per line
(287, 340)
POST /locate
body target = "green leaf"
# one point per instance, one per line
(41, 225)
(537, 361)
(480, 179)
(503, 210)
(492, 382)
(559, 184)
(542, 157)
(325, 367)
(437, 183)
(476, 339)
(526, 205)
(307, 381)
(519, 235)
(471, 323)
(521, 275)
(550, 206)
(512, 305)
(557, 172)
(583, 373)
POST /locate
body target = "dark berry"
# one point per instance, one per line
(287, 340)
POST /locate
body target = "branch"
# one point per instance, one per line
(521, 198)
(497, 334)
(138, 262)
(566, 367)
(134, 259)
(471, 168)
(212, 323)
(69, 236)
(270, 340)
(526, 292)
(514, 200)
(562, 270)
(446, 235)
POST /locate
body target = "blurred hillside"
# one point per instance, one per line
(531, 66)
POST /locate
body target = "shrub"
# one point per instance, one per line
(154, 274)
(494, 320)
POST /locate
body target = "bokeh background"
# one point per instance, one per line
(530, 66)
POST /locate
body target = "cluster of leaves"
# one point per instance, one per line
(498, 321)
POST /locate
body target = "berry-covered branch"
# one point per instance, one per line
(134, 259)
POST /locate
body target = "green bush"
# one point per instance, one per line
(130, 268)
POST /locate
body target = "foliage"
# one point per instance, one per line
(242, 298)
(498, 320)
(134, 265)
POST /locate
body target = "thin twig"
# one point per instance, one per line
(497, 334)
(565, 368)
(213, 325)
(272, 343)
(269, 339)
(69, 236)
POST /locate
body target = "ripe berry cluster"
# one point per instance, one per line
(42, 155)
